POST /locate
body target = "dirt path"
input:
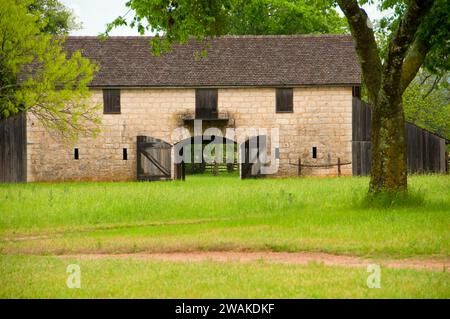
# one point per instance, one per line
(302, 258)
(63, 232)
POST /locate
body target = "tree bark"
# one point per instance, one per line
(389, 167)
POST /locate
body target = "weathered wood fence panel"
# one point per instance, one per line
(13, 149)
(361, 119)
(425, 150)
(361, 158)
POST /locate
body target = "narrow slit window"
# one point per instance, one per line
(314, 152)
(75, 154)
(125, 154)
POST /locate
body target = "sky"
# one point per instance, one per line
(95, 14)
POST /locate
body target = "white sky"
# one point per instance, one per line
(95, 14)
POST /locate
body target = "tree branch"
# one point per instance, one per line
(365, 44)
(402, 40)
(433, 86)
(413, 61)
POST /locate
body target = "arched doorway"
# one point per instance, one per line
(206, 155)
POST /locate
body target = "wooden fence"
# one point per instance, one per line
(425, 150)
(217, 168)
(338, 166)
(13, 149)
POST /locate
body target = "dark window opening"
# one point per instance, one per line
(314, 152)
(111, 101)
(125, 154)
(75, 154)
(206, 103)
(284, 100)
(356, 91)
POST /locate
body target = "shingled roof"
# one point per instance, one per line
(294, 60)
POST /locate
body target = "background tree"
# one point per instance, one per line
(182, 19)
(53, 17)
(283, 17)
(37, 76)
(417, 34)
(427, 103)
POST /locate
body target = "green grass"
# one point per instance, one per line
(45, 277)
(208, 213)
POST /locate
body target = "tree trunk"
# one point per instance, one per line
(385, 83)
(389, 169)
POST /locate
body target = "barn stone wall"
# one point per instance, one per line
(321, 118)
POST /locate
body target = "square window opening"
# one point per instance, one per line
(111, 101)
(206, 103)
(284, 100)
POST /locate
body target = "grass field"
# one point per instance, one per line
(220, 214)
(45, 277)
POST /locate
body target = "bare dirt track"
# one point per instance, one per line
(300, 258)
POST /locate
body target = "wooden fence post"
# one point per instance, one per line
(215, 169)
(299, 169)
(339, 166)
(446, 163)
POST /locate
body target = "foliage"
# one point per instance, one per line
(54, 18)
(427, 103)
(284, 17)
(179, 20)
(37, 76)
(434, 31)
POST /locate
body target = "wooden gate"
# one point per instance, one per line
(250, 152)
(13, 149)
(153, 159)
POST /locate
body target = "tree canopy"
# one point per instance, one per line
(37, 76)
(431, 46)
(255, 17)
(179, 20)
(53, 17)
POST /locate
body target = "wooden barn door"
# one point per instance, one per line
(250, 157)
(153, 159)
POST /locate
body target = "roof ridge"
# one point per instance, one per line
(321, 35)
(269, 36)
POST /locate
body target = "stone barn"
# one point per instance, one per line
(303, 88)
